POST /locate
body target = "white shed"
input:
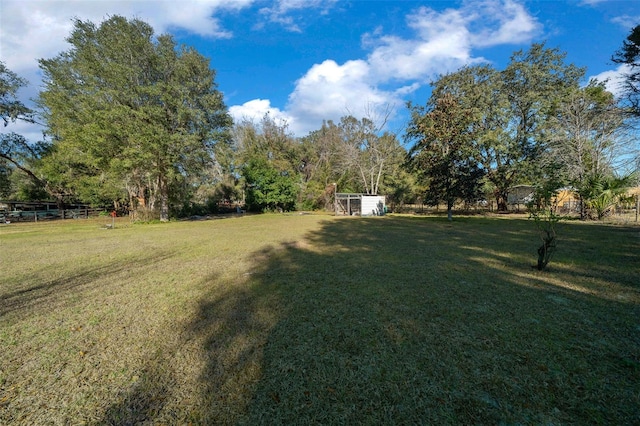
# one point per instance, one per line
(373, 205)
(360, 204)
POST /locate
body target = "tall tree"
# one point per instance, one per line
(588, 141)
(508, 110)
(479, 91)
(367, 152)
(267, 157)
(16, 153)
(629, 55)
(534, 82)
(325, 168)
(11, 108)
(443, 153)
(131, 112)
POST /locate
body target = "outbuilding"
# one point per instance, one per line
(360, 205)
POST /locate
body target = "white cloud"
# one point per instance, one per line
(505, 22)
(614, 79)
(37, 29)
(443, 42)
(280, 11)
(255, 110)
(627, 21)
(330, 91)
(395, 66)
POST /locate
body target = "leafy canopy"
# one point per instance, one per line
(129, 113)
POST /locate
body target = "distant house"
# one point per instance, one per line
(567, 200)
(634, 192)
(520, 195)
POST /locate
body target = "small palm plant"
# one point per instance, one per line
(602, 193)
(542, 209)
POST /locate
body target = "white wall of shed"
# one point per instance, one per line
(373, 205)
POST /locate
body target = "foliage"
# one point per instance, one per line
(402, 188)
(356, 155)
(267, 158)
(542, 209)
(320, 168)
(508, 110)
(367, 153)
(443, 152)
(546, 220)
(352, 156)
(629, 55)
(602, 192)
(587, 140)
(534, 83)
(11, 108)
(18, 157)
(130, 112)
(16, 153)
(268, 189)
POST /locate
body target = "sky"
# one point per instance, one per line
(305, 61)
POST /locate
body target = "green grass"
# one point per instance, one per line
(305, 319)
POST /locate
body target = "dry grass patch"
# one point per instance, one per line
(282, 319)
(107, 325)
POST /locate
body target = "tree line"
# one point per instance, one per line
(136, 122)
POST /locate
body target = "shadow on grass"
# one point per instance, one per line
(421, 321)
(38, 296)
(147, 397)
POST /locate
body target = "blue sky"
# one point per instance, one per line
(303, 61)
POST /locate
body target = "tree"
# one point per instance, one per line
(131, 113)
(319, 167)
(534, 82)
(629, 55)
(16, 153)
(542, 210)
(401, 187)
(602, 193)
(587, 140)
(11, 108)
(479, 91)
(508, 110)
(267, 157)
(325, 167)
(269, 188)
(368, 153)
(443, 152)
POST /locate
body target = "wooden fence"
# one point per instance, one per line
(40, 215)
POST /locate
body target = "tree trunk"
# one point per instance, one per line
(583, 207)
(501, 200)
(163, 189)
(449, 210)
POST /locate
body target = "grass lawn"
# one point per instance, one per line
(309, 319)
